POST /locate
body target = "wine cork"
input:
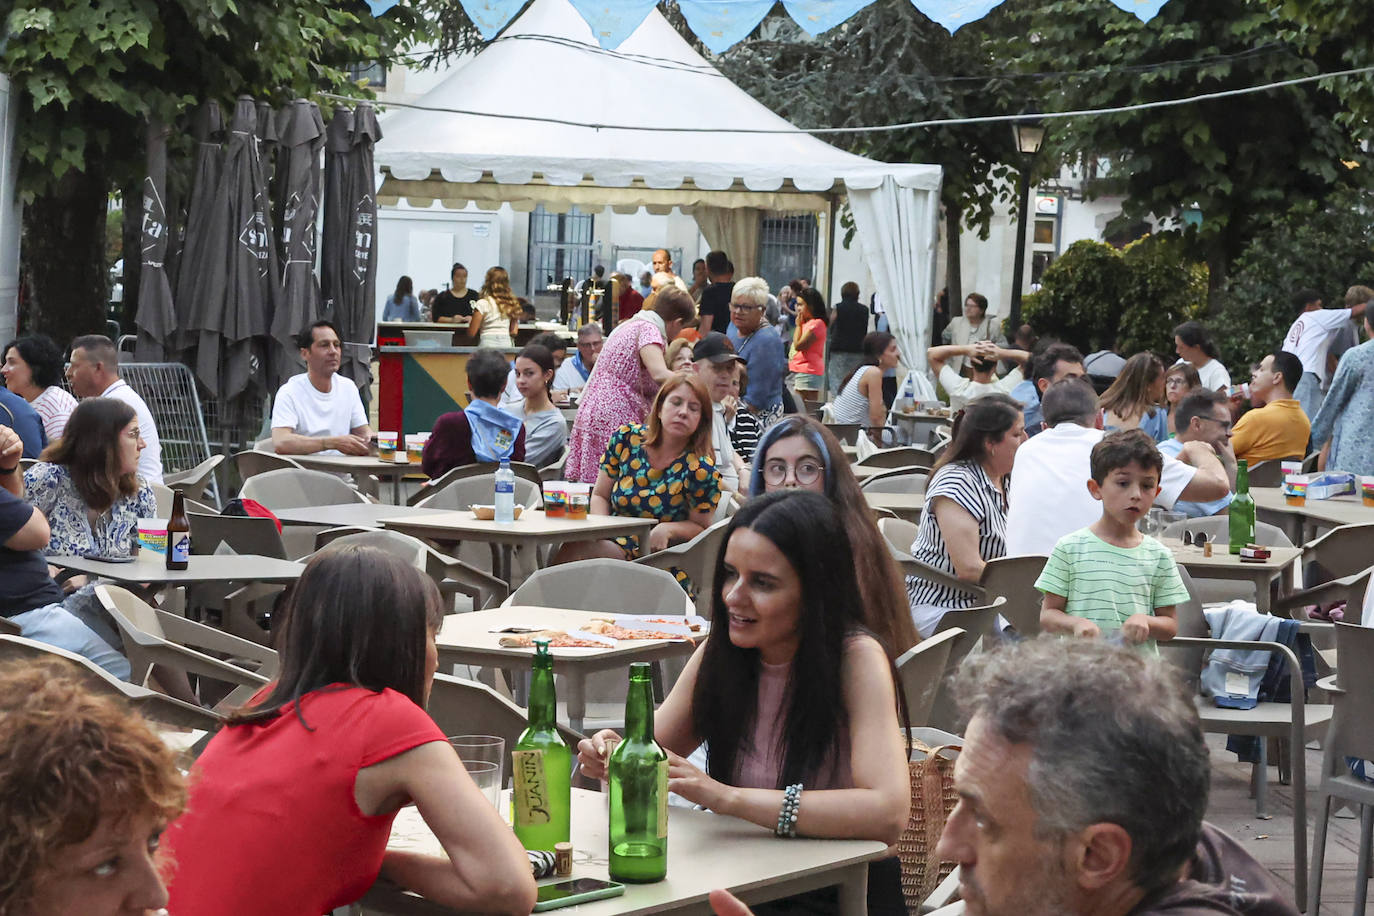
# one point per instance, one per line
(562, 859)
(1207, 549)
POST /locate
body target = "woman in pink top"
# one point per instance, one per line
(626, 378)
(292, 801)
(794, 700)
(808, 346)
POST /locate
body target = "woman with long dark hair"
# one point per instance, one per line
(292, 801)
(1133, 400)
(33, 370)
(860, 397)
(87, 482)
(401, 305)
(964, 523)
(794, 699)
(1194, 345)
(808, 346)
(546, 429)
(799, 453)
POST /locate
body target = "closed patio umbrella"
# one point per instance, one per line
(156, 318)
(300, 133)
(191, 286)
(347, 270)
(232, 352)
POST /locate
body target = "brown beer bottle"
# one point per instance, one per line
(178, 535)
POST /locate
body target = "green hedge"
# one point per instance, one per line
(1096, 296)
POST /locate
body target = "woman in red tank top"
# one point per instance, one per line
(292, 801)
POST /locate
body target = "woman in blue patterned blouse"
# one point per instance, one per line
(87, 482)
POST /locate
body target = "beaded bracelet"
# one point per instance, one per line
(787, 815)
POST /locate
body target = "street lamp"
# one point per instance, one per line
(1029, 133)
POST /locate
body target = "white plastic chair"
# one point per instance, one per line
(452, 576)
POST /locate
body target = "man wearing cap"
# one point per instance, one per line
(716, 365)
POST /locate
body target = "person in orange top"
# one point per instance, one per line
(808, 346)
(1278, 428)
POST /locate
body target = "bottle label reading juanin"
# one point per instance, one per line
(531, 789)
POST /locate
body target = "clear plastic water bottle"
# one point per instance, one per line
(505, 492)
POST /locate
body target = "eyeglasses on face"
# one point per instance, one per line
(807, 471)
(744, 307)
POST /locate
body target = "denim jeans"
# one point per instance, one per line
(55, 625)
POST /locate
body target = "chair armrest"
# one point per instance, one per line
(1349, 588)
(921, 570)
(1298, 698)
(189, 633)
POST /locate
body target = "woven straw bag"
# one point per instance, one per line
(932, 799)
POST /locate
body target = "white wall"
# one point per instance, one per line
(424, 245)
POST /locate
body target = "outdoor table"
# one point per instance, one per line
(362, 464)
(532, 528)
(1222, 564)
(351, 515)
(1301, 523)
(152, 568)
(466, 639)
(907, 506)
(706, 851)
(918, 426)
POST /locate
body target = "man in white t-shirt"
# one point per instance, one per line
(1048, 497)
(1308, 339)
(320, 411)
(94, 373)
(983, 358)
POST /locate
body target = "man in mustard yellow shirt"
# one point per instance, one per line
(1277, 428)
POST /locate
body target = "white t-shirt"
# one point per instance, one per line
(1310, 336)
(495, 329)
(150, 459)
(962, 390)
(725, 451)
(1213, 375)
(567, 378)
(307, 411)
(1048, 496)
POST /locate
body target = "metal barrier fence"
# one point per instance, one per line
(190, 430)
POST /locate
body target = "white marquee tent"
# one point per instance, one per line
(554, 142)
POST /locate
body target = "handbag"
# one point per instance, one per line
(932, 799)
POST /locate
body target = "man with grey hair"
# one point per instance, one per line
(93, 372)
(1082, 785)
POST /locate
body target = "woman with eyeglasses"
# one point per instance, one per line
(1180, 381)
(799, 453)
(87, 482)
(760, 346)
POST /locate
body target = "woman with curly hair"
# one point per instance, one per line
(496, 314)
(33, 370)
(86, 789)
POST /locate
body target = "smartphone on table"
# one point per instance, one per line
(574, 891)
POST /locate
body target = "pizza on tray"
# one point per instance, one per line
(557, 640)
(606, 628)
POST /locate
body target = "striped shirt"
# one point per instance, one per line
(1107, 584)
(54, 406)
(968, 485)
(850, 406)
(744, 433)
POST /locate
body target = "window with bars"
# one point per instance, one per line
(787, 248)
(561, 245)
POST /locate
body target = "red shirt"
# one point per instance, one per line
(273, 825)
(630, 304)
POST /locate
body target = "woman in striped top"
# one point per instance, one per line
(33, 370)
(965, 519)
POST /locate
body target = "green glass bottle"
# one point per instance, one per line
(541, 765)
(638, 776)
(1242, 510)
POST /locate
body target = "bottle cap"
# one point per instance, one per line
(541, 645)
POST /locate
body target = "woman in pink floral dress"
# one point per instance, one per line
(625, 379)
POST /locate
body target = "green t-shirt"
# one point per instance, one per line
(1107, 584)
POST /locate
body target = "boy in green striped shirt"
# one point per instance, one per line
(1109, 578)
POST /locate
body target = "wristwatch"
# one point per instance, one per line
(9, 470)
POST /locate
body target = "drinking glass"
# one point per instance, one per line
(484, 756)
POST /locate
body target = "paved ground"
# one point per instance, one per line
(1271, 841)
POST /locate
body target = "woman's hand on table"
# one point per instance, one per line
(692, 783)
(593, 752)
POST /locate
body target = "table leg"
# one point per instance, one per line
(507, 564)
(854, 890)
(1263, 583)
(396, 490)
(577, 698)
